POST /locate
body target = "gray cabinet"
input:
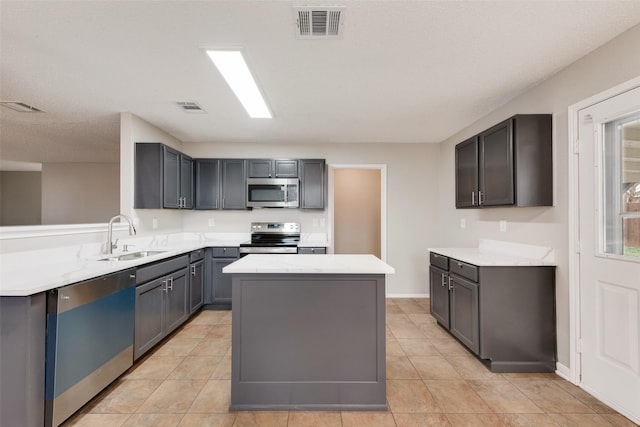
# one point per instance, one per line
(312, 250)
(454, 299)
(270, 168)
(186, 182)
(220, 184)
(162, 301)
(439, 295)
(207, 177)
(467, 173)
(509, 164)
(312, 183)
(504, 315)
(163, 177)
(218, 287)
(464, 312)
(196, 280)
(234, 186)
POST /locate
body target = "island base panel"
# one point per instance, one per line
(308, 342)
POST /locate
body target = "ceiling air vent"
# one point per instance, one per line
(190, 107)
(20, 106)
(319, 22)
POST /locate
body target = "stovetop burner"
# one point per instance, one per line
(272, 237)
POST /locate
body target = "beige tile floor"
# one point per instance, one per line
(431, 381)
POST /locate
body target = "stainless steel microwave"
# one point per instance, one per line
(272, 193)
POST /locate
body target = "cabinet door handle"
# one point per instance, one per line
(444, 280)
(479, 198)
(460, 264)
(164, 286)
(170, 284)
(193, 270)
(473, 198)
(450, 284)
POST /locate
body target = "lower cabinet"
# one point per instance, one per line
(504, 315)
(218, 287)
(162, 304)
(196, 280)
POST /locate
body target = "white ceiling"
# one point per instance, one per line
(404, 71)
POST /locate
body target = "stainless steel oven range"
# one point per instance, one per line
(272, 238)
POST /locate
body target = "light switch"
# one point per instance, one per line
(212, 222)
(154, 223)
(503, 225)
(463, 223)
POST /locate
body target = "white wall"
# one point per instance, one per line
(76, 193)
(20, 198)
(609, 65)
(356, 214)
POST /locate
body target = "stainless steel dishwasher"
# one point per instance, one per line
(89, 341)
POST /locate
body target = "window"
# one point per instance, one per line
(621, 162)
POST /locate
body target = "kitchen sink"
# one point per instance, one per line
(131, 256)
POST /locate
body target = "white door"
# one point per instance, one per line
(609, 182)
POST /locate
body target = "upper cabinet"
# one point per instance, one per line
(234, 184)
(207, 177)
(220, 184)
(163, 177)
(312, 183)
(270, 168)
(509, 164)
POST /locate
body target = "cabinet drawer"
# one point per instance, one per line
(161, 268)
(196, 255)
(438, 260)
(225, 252)
(463, 269)
(315, 250)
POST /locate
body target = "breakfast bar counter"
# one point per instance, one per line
(308, 332)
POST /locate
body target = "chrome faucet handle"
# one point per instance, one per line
(126, 246)
(114, 245)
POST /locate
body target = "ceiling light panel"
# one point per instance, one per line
(235, 71)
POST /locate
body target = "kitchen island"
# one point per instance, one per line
(308, 332)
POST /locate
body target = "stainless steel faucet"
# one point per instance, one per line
(110, 244)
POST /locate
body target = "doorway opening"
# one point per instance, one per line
(358, 200)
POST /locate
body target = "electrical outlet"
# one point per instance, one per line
(503, 225)
(212, 222)
(463, 223)
(154, 223)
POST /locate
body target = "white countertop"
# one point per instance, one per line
(30, 272)
(310, 264)
(501, 254)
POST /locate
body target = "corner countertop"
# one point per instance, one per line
(309, 264)
(501, 254)
(31, 272)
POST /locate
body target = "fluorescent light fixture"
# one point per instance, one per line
(235, 71)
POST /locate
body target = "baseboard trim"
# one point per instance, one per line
(407, 295)
(563, 371)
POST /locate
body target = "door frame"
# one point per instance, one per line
(573, 373)
(383, 202)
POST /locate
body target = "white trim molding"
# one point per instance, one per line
(27, 232)
(572, 373)
(407, 295)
